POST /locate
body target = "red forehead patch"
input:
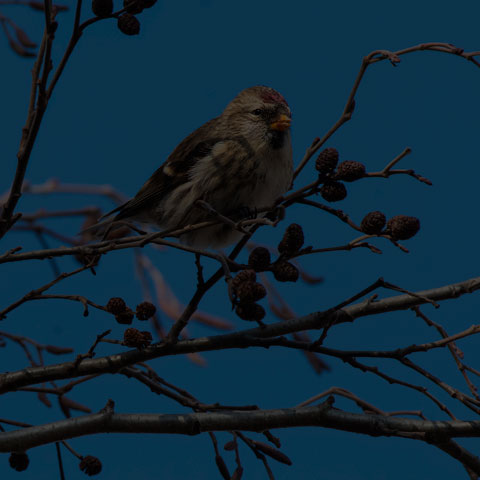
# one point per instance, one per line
(272, 96)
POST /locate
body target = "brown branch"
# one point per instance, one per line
(41, 214)
(452, 347)
(35, 114)
(468, 401)
(38, 292)
(387, 171)
(259, 420)
(53, 186)
(374, 57)
(182, 321)
(245, 338)
(364, 405)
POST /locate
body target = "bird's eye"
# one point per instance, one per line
(257, 111)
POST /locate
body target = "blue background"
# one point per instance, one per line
(121, 107)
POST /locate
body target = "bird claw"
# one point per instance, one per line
(276, 214)
(243, 213)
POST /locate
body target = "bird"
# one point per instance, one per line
(238, 161)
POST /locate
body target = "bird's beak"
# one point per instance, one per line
(281, 123)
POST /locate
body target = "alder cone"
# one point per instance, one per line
(248, 292)
(102, 8)
(137, 339)
(327, 160)
(128, 24)
(333, 191)
(292, 240)
(125, 318)
(373, 223)
(19, 461)
(403, 227)
(250, 311)
(243, 276)
(259, 259)
(116, 305)
(133, 6)
(350, 171)
(148, 3)
(285, 272)
(90, 465)
(145, 310)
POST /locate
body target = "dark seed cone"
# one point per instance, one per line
(145, 310)
(292, 240)
(248, 292)
(350, 171)
(327, 160)
(18, 461)
(148, 3)
(333, 191)
(133, 6)
(90, 465)
(373, 223)
(250, 311)
(402, 227)
(243, 276)
(137, 339)
(285, 272)
(259, 259)
(126, 317)
(102, 8)
(116, 305)
(128, 24)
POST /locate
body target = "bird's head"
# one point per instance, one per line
(260, 114)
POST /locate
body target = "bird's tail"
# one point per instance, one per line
(103, 226)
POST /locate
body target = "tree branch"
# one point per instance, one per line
(243, 339)
(256, 421)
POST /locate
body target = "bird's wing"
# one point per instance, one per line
(172, 173)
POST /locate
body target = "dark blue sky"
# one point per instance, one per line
(124, 103)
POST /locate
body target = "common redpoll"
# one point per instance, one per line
(238, 161)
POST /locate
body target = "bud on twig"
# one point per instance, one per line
(58, 350)
(272, 452)
(222, 467)
(237, 474)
